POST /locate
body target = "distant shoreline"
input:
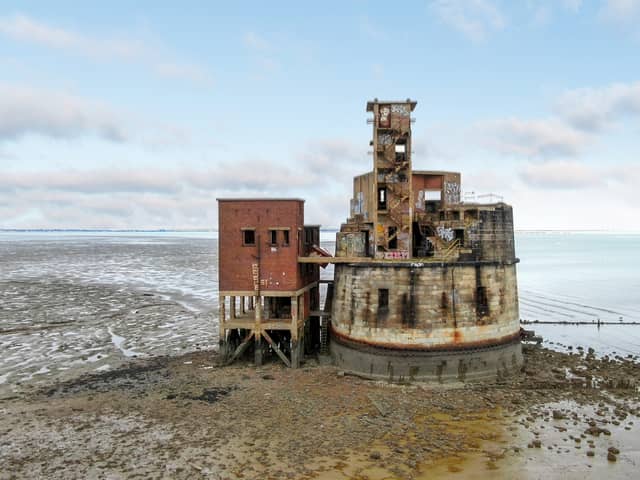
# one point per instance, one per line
(326, 230)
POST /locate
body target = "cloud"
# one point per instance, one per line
(533, 138)
(369, 29)
(332, 159)
(25, 29)
(573, 5)
(262, 55)
(621, 11)
(581, 115)
(142, 198)
(594, 109)
(475, 19)
(32, 111)
(254, 41)
(25, 111)
(561, 175)
(257, 176)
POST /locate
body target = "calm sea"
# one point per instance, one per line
(582, 277)
(72, 301)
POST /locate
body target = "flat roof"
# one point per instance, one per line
(375, 101)
(415, 172)
(432, 172)
(260, 199)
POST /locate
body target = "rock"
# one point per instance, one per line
(558, 415)
(612, 457)
(590, 453)
(614, 450)
(374, 455)
(537, 443)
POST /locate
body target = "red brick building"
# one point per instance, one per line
(264, 292)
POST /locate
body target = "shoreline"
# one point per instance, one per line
(187, 417)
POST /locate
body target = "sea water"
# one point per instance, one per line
(75, 302)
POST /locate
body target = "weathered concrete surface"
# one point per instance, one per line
(395, 365)
(429, 305)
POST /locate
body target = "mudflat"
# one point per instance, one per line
(565, 416)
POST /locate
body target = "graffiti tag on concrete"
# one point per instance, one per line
(445, 233)
(452, 192)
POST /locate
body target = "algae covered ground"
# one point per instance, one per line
(564, 416)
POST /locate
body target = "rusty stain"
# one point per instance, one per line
(493, 342)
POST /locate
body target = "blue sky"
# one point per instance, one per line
(139, 116)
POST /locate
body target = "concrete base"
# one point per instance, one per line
(489, 363)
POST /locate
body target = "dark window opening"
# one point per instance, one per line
(459, 233)
(455, 215)
(441, 214)
(273, 236)
(382, 198)
(365, 235)
(248, 237)
(431, 206)
(422, 246)
(285, 240)
(383, 299)
(393, 238)
(444, 301)
(482, 302)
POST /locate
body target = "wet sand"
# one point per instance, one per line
(186, 417)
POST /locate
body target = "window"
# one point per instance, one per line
(273, 237)
(285, 240)
(393, 238)
(482, 302)
(248, 236)
(400, 152)
(383, 299)
(382, 198)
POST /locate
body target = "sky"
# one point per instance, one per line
(140, 114)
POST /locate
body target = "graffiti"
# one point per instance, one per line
(399, 109)
(400, 254)
(357, 204)
(384, 116)
(420, 202)
(255, 274)
(385, 139)
(451, 192)
(445, 233)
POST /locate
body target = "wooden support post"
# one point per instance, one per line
(242, 307)
(232, 307)
(282, 356)
(257, 354)
(250, 303)
(241, 348)
(222, 331)
(295, 347)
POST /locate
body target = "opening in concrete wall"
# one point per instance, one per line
(382, 198)
(383, 299)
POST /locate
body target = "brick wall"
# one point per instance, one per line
(279, 269)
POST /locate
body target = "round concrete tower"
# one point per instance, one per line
(425, 286)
